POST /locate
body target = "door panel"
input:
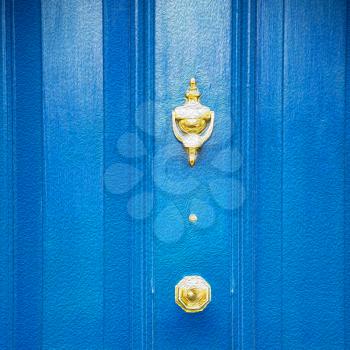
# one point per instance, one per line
(300, 154)
(313, 168)
(96, 190)
(73, 170)
(194, 40)
(22, 177)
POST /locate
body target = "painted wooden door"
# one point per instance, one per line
(96, 191)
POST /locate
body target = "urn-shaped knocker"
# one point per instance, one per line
(192, 122)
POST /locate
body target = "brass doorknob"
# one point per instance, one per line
(193, 294)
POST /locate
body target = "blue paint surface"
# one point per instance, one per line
(96, 191)
(301, 116)
(73, 158)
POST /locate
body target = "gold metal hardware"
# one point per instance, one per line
(193, 218)
(192, 122)
(193, 294)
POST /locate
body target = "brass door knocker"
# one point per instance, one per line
(192, 122)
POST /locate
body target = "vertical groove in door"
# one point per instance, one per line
(26, 81)
(282, 27)
(149, 188)
(144, 120)
(247, 233)
(6, 175)
(347, 184)
(141, 204)
(236, 61)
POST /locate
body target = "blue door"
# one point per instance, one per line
(110, 239)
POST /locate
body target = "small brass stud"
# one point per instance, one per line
(193, 218)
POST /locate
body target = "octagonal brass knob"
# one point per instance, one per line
(193, 294)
